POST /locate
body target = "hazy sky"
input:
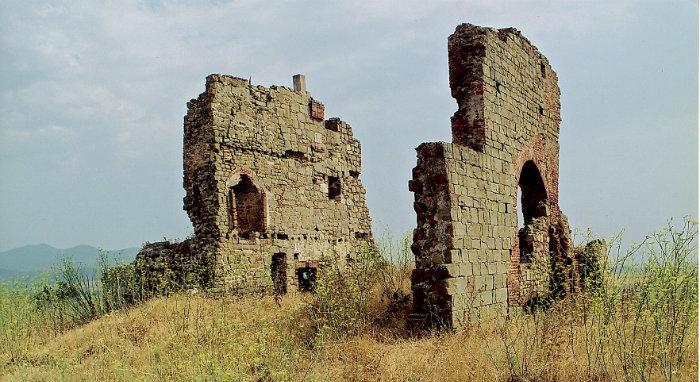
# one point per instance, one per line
(93, 99)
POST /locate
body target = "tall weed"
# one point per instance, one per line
(635, 320)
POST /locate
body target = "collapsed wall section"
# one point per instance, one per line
(272, 189)
(472, 258)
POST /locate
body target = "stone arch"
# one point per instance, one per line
(528, 280)
(247, 204)
(532, 237)
(533, 199)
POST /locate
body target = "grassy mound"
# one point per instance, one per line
(185, 338)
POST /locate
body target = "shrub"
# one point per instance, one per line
(340, 307)
(642, 312)
(373, 289)
(78, 297)
(120, 287)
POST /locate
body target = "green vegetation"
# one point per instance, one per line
(636, 321)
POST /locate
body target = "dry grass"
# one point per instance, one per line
(192, 338)
(638, 324)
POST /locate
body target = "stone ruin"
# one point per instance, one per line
(472, 259)
(272, 189)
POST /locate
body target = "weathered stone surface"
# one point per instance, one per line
(299, 83)
(166, 267)
(273, 190)
(504, 136)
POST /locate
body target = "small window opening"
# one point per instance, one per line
(361, 235)
(333, 124)
(543, 70)
(296, 155)
(278, 271)
(541, 110)
(306, 277)
(296, 256)
(498, 87)
(354, 174)
(334, 188)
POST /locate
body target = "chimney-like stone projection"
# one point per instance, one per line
(273, 188)
(472, 257)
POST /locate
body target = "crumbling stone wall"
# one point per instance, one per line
(471, 257)
(273, 189)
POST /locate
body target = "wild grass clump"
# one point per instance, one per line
(644, 309)
(635, 321)
(372, 292)
(78, 297)
(340, 307)
(19, 322)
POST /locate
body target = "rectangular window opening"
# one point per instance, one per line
(306, 278)
(334, 188)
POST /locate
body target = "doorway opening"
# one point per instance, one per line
(278, 272)
(532, 213)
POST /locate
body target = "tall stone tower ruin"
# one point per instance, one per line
(471, 256)
(273, 189)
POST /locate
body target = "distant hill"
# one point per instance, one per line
(33, 260)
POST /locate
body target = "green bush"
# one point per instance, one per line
(340, 307)
(78, 297)
(373, 289)
(645, 304)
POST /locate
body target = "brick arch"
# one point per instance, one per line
(248, 209)
(534, 152)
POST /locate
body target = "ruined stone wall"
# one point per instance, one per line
(505, 134)
(266, 176)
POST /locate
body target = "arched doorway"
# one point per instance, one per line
(533, 226)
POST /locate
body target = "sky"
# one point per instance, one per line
(92, 99)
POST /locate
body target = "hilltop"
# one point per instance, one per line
(186, 337)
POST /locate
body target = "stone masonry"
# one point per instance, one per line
(472, 259)
(273, 189)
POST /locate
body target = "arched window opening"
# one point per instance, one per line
(532, 213)
(247, 207)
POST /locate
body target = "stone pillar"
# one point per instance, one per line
(299, 83)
